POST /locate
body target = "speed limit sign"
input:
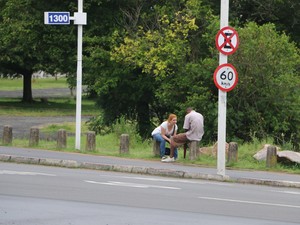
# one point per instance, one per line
(225, 77)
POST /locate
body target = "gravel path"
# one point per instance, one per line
(21, 124)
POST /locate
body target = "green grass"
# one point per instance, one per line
(68, 126)
(54, 107)
(107, 145)
(16, 84)
(63, 106)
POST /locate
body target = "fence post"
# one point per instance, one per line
(61, 138)
(193, 145)
(90, 141)
(7, 135)
(124, 144)
(156, 148)
(34, 136)
(271, 160)
(232, 152)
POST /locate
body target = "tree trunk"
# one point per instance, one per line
(27, 89)
(143, 118)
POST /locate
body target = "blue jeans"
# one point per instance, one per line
(162, 145)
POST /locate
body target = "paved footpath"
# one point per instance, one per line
(77, 160)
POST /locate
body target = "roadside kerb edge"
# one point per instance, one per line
(143, 170)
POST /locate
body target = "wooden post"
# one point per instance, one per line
(34, 136)
(124, 144)
(90, 141)
(7, 135)
(156, 148)
(194, 145)
(232, 152)
(61, 138)
(271, 156)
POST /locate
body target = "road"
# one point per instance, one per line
(31, 195)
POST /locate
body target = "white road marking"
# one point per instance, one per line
(173, 180)
(135, 185)
(10, 172)
(250, 202)
(288, 192)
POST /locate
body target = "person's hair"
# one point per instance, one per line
(189, 109)
(171, 117)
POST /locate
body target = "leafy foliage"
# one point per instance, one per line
(266, 100)
(27, 45)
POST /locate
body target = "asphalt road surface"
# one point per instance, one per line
(31, 195)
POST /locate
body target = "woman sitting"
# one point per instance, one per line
(163, 134)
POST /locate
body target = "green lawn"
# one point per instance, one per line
(53, 107)
(61, 106)
(42, 83)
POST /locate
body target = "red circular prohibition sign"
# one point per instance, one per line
(227, 40)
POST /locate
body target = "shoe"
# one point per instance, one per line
(168, 159)
(164, 157)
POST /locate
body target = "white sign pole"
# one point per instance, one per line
(79, 79)
(63, 18)
(222, 98)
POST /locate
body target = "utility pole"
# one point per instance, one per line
(224, 15)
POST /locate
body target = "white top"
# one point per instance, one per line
(194, 123)
(164, 125)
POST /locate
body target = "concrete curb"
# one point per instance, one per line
(143, 170)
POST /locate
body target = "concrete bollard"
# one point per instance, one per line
(90, 141)
(7, 135)
(61, 138)
(34, 136)
(124, 144)
(193, 145)
(232, 152)
(156, 148)
(271, 160)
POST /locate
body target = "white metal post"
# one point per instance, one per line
(222, 98)
(79, 79)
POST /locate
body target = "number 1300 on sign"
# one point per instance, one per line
(225, 77)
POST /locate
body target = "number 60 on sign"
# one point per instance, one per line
(225, 77)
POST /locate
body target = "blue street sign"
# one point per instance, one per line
(57, 18)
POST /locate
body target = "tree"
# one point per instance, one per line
(266, 99)
(160, 58)
(27, 45)
(151, 45)
(285, 14)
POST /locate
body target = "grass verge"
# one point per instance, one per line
(16, 84)
(53, 107)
